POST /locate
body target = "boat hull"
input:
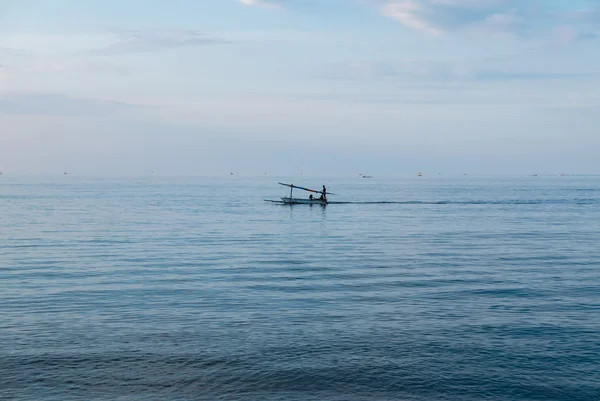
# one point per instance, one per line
(298, 201)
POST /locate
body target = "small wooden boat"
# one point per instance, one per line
(290, 200)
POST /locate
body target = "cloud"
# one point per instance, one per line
(564, 34)
(469, 3)
(410, 70)
(407, 13)
(6, 52)
(280, 4)
(533, 18)
(7, 58)
(44, 104)
(493, 17)
(585, 15)
(85, 58)
(68, 65)
(19, 63)
(440, 16)
(431, 16)
(10, 58)
(577, 25)
(138, 41)
(259, 3)
(496, 17)
(434, 72)
(492, 75)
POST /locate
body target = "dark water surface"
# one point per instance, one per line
(196, 289)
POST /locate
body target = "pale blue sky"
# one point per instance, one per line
(326, 86)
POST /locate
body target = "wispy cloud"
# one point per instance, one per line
(435, 71)
(504, 17)
(494, 17)
(118, 42)
(138, 41)
(15, 62)
(580, 24)
(407, 13)
(44, 104)
(6, 52)
(440, 16)
(385, 70)
(282, 4)
(263, 3)
(494, 75)
(589, 15)
(9, 58)
(3, 74)
(70, 65)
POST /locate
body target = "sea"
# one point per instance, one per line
(402, 288)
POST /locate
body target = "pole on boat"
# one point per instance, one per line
(291, 189)
(306, 189)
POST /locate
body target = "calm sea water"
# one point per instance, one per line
(197, 289)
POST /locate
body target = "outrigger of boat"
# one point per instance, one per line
(299, 201)
(290, 200)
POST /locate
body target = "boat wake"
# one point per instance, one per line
(474, 202)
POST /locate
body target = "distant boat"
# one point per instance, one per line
(420, 175)
(231, 173)
(65, 173)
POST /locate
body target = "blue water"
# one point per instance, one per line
(465, 288)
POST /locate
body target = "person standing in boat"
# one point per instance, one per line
(324, 194)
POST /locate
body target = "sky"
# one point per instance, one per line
(209, 87)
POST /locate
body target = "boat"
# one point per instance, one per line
(290, 200)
